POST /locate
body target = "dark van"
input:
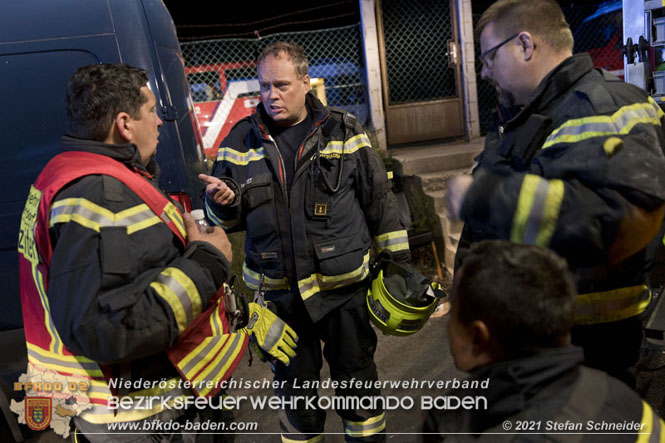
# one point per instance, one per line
(41, 44)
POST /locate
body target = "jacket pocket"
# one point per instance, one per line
(258, 196)
(343, 255)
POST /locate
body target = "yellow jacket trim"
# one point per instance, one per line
(315, 439)
(537, 210)
(95, 217)
(366, 428)
(316, 283)
(621, 122)
(253, 280)
(614, 305)
(393, 241)
(180, 293)
(55, 344)
(349, 146)
(67, 364)
(240, 158)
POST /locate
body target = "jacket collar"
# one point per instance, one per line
(126, 153)
(515, 384)
(559, 80)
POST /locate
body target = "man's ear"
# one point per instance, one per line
(306, 80)
(122, 127)
(480, 338)
(528, 45)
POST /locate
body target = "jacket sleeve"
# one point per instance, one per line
(228, 167)
(377, 200)
(120, 287)
(595, 191)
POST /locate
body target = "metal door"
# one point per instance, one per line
(420, 69)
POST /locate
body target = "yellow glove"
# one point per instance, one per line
(271, 333)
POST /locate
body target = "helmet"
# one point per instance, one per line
(401, 299)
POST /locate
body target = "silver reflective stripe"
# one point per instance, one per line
(216, 336)
(212, 375)
(100, 219)
(274, 334)
(369, 427)
(535, 218)
(180, 292)
(92, 366)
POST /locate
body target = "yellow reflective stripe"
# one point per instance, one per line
(194, 361)
(315, 283)
(614, 305)
(315, 439)
(219, 367)
(180, 293)
(550, 212)
(68, 364)
(537, 210)
(172, 212)
(350, 146)
(95, 217)
(55, 345)
(366, 428)
(646, 428)
(621, 122)
(240, 158)
(226, 224)
(253, 280)
(393, 241)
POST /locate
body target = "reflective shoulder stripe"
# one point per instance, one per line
(253, 280)
(226, 224)
(621, 123)
(367, 428)
(240, 158)
(316, 283)
(350, 146)
(174, 215)
(180, 293)
(537, 210)
(609, 306)
(393, 241)
(92, 216)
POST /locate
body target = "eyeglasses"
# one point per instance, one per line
(488, 55)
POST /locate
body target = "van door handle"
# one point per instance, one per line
(169, 113)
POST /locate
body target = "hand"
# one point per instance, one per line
(217, 190)
(271, 333)
(216, 238)
(457, 188)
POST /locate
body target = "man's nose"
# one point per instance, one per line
(273, 92)
(485, 72)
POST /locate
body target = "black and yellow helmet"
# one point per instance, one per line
(401, 299)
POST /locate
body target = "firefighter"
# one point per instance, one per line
(579, 169)
(119, 290)
(509, 326)
(304, 182)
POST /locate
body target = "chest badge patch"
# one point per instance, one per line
(320, 209)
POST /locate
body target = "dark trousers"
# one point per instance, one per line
(611, 347)
(349, 345)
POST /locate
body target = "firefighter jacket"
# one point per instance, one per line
(316, 238)
(580, 170)
(550, 396)
(109, 291)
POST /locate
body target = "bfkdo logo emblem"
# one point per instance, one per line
(38, 412)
